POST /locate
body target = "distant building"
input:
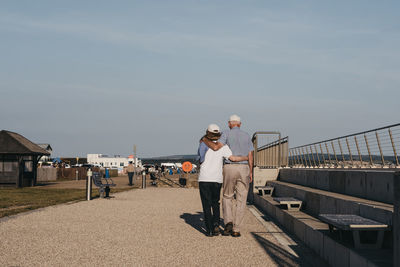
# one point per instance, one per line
(106, 161)
(48, 148)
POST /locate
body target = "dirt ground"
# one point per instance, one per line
(123, 182)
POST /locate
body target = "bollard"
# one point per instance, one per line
(77, 174)
(89, 185)
(143, 180)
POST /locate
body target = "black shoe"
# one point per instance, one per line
(209, 234)
(216, 231)
(235, 234)
(228, 229)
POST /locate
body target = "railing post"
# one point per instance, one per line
(305, 157)
(358, 151)
(334, 153)
(316, 151)
(287, 140)
(341, 151)
(312, 155)
(296, 157)
(369, 151)
(329, 154)
(301, 157)
(255, 144)
(394, 147)
(380, 149)
(279, 152)
(348, 148)
(322, 152)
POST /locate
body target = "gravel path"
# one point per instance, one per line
(156, 226)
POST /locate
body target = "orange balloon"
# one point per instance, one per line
(187, 166)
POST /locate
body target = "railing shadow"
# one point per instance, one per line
(284, 258)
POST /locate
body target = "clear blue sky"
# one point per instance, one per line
(100, 76)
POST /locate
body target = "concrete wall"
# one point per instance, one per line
(368, 184)
(262, 176)
(396, 220)
(46, 174)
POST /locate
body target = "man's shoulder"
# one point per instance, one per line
(243, 133)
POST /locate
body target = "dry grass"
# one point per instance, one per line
(16, 200)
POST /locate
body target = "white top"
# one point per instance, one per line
(211, 168)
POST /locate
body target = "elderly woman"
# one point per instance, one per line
(210, 178)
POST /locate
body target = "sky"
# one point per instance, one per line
(101, 76)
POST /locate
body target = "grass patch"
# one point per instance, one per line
(16, 200)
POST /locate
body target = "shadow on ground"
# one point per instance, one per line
(195, 220)
(284, 258)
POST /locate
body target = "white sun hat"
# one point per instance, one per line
(234, 118)
(213, 128)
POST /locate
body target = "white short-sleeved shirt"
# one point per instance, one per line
(211, 168)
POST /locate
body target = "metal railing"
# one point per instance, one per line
(377, 148)
(270, 150)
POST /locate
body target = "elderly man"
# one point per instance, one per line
(237, 175)
(210, 178)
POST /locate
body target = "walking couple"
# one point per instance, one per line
(226, 161)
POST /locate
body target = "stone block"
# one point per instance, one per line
(300, 194)
(314, 239)
(262, 176)
(327, 205)
(279, 215)
(288, 221)
(337, 181)
(299, 177)
(299, 230)
(329, 250)
(356, 183)
(379, 186)
(347, 207)
(310, 178)
(356, 260)
(270, 208)
(260, 202)
(322, 180)
(342, 255)
(396, 220)
(312, 203)
(376, 213)
(286, 175)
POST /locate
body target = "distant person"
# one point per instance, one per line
(131, 171)
(162, 169)
(237, 175)
(210, 178)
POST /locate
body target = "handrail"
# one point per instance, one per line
(376, 148)
(273, 154)
(350, 135)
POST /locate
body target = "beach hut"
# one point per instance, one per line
(18, 160)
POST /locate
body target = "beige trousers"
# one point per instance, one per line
(236, 183)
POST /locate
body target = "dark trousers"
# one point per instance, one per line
(210, 194)
(130, 176)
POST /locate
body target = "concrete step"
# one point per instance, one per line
(375, 185)
(316, 235)
(317, 201)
